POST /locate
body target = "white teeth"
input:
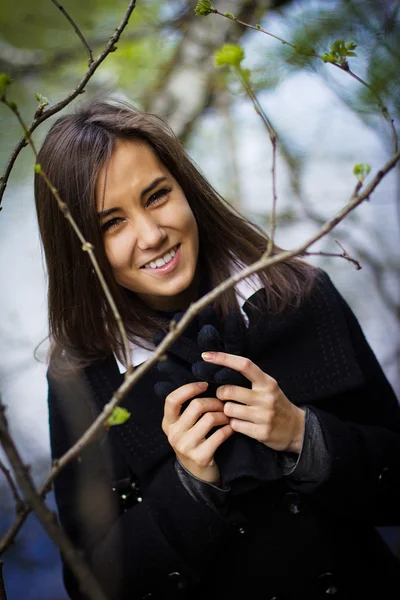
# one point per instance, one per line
(159, 262)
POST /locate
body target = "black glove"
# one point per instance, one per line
(205, 333)
(244, 462)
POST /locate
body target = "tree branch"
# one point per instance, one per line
(13, 487)
(264, 262)
(48, 519)
(76, 29)
(41, 115)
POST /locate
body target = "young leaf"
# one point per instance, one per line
(118, 416)
(5, 80)
(361, 170)
(229, 54)
(203, 8)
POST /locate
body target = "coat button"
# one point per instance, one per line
(293, 502)
(177, 580)
(327, 584)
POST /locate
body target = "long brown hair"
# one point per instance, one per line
(75, 149)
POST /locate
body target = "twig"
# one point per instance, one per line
(383, 108)
(273, 138)
(13, 487)
(194, 309)
(3, 595)
(84, 576)
(310, 52)
(76, 29)
(86, 246)
(352, 260)
(41, 116)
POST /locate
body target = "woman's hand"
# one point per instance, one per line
(264, 412)
(187, 432)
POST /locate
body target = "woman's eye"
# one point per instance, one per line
(111, 224)
(158, 196)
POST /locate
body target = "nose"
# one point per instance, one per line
(150, 233)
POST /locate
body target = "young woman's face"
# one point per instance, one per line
(150, 233)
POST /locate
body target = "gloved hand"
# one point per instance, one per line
(205, 333)
(244, 463)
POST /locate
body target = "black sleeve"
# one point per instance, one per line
(167, 532)
(361, 429)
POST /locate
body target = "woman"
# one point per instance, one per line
(266, 464)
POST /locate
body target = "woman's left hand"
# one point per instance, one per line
(264, 412)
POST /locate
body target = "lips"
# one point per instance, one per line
(167, 268)
(174, 248)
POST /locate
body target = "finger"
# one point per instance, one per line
(237, 394)
(214, 441)
(244, 365)
(225, 375)
(234, 333)
(175, 400)
(209, 339)
(175, 371)
(197, 408)
(208, 421)
(205, 371)
(246, 427)
(163, 388)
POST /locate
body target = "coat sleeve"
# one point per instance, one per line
(361, 428)
(140, 549)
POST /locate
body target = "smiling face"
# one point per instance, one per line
(150, 233)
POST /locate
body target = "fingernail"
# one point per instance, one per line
(202, 384)
(208, 355)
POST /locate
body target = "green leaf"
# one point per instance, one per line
(43, 101)
(5, 80)
(118, 416)
(361, 170)
(229, 54)
(229, 15)
(37, 168)
(203, 8)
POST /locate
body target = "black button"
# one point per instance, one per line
(327, 584)
(177, 580)
(293, 502)
(242, 530)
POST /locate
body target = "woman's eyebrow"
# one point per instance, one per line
(105, 213)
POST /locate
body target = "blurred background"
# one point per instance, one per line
(325, 121)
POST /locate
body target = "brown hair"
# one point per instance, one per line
(75, 149)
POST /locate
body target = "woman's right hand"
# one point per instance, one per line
(187, 431)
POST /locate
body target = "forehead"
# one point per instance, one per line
(133, 165)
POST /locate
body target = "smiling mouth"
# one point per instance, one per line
(162, 261)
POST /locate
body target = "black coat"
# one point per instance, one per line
(148, 538)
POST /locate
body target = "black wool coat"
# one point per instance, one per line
(143, 534)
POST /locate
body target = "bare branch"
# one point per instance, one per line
(42, 115)
(86, 246)
(273, 137)
(76, 29)
(263, 263)
(47, 518)
(3, 595)
(343, 66)
(13, 487)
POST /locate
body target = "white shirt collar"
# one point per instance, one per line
(244, 289)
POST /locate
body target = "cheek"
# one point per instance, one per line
(117, 252)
